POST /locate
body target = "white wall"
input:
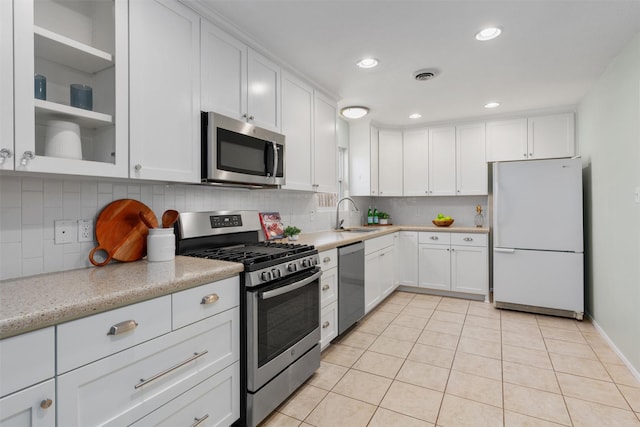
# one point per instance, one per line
(609, 141)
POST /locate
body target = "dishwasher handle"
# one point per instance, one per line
(349, 249)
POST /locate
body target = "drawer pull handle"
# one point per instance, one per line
(209, 299)
(46, 403)
(144, 382)
(326, 259)
(325, 324)
(199, 421)
(468, 239)
(434, 237)
(325, 287)
(122, 327)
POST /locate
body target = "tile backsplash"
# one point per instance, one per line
(30, 205)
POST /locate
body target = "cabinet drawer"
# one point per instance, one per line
(469, 239)
(84, 340)
(328, 287)
(434, 237)
(199, 303)
(126, 386)
(328, 259)
(378, 243)
(34, 406)
(328, 324)
(26, 359)
(214, 402)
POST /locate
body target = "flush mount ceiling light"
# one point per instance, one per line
(492, 104)
(488, 33)
(415, 116)
(367, 63)
(425, 74)
(354, 112)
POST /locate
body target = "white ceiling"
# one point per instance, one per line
(549, 55)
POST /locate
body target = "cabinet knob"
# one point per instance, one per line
(434, 237)
(530, 154)
(5, 153)
(325, 324)
(46, 403)
(122, 327)
(251, 117)
(209, 299)
(137, 167)
(326, 259)
(325, 287)
(426, 191)
(244, 116)
(468, 239)
(26, 156)
(524, 155)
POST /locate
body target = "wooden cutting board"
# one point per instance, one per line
(120, 232)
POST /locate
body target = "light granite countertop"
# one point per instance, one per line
(35, 302)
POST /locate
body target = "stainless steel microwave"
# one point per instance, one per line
(237, 152)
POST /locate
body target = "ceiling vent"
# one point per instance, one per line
(427, 74)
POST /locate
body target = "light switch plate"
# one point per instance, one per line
(63, 231)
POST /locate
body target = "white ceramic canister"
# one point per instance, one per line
(63, 140)
(161, 244)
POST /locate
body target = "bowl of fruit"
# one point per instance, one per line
(442, 220)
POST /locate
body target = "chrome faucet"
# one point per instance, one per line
(338, 222)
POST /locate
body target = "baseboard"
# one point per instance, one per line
(615, 348)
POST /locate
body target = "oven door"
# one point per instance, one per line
(283, 323)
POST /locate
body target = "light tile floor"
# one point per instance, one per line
(421, 360)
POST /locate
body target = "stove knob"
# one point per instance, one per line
(266, 276)
(305, 263)
(276, 273)
(292, 267)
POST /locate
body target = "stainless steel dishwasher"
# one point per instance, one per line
(350, 285)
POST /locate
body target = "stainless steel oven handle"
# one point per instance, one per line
(289, 288)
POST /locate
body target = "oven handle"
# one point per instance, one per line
(289, 288)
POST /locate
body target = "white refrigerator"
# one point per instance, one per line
(538, 247)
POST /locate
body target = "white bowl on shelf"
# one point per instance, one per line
(63, 140)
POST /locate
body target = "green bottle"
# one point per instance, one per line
(375, 215)
(369, 216)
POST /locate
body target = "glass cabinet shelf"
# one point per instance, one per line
(85, 118)
(63, 50)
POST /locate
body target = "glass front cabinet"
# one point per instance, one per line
(71, 87)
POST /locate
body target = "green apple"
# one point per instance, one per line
(440, 216)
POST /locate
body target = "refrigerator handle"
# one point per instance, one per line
(505, 250)
(494, 212)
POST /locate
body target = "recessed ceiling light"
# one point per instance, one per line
(354, 112)
(415, 116)
(488, 33)
(367, 63)
(492, 104)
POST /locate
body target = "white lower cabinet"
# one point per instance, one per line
(31, 407)
(328, 297)
(407, 256)
(453, 262)
(378, 270)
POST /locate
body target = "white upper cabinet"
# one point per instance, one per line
(6, 85)
(165, 94)
(324, 145)
(363, 159)
(237, 81)
(416, 162)
(471, 167)
(390, 163)
(551, 136)
(543, 137)
(69, 43)
(442, 161)
(297, 126)
(375, 157)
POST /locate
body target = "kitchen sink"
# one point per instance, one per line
(356, 230)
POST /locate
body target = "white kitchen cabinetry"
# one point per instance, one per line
(297, 126)
(543, 137)
(6, 85)
(68, 43)
(166, 377)
(27, 388)
(363, 159)
(164, 94)
(390, 163)
(455, 262)
(325, 155)
(416, 162)
(378, 270)
(328, 297)
(408, 258)
(442, 161)
(471, 167)
(237, 81)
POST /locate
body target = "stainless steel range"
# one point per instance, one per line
(280, 310)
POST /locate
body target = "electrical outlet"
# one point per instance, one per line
(312, 215)
(63, 231)
(85, 230)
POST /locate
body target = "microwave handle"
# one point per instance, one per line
(275, 159)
